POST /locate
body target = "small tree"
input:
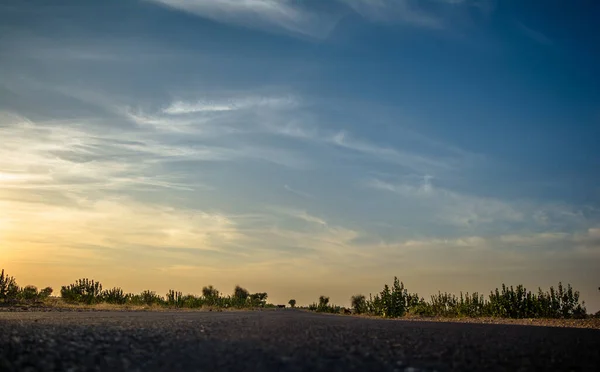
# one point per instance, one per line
(359, 303)
(258, 299)
(46, 292)
(210, 294)
(292, 303)
(323, 303)
(8, 287)
(240, 296)
(29, 292)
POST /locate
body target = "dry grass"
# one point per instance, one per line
(590, 323)
(58, 304)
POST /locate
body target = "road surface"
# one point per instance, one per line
(281, 340)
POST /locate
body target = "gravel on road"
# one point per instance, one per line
(283, 340)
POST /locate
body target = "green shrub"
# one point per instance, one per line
(240, 297)
(422, 308)
(174, 298)
(192, 302)
(520, 303)
(324, 307)
(211, 295)
(258, 299)
(148, 297)
(391, 303)
(83, 291)
(359, 303)
(46, 292)
(29, 293)
(115, 296)
(9, 290)
(292, 303)
(323, 304)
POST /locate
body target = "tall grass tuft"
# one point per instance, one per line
(175, 298)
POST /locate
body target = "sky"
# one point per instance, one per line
(301, 147)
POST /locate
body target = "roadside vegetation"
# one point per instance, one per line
(10, 292)
(393, 301)
(90, 292)
(507, 302)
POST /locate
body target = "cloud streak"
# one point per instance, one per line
(534, 35)
(263, 14)
(298, 18)
(183, 107)
(298, 192)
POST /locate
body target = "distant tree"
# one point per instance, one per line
(323, 303)
(210, 294)
(292, 303)
(29, 292)
(46, 292)
(359, 303)
(258, 299)
(8, 287)
(240, 295)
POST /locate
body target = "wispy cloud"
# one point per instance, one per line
(183, 107)
(298, 214)
(451, 207)
(283, 116)
(300, 18)
(265, 14)
(535, 35)
(395, 11)
(474, 212)
(298, 192)
(413, 161)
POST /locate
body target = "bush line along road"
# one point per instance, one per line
(287, 339)
(391, 302)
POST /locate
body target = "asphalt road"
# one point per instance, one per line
(282, 340)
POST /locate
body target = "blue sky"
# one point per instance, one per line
(301, 147)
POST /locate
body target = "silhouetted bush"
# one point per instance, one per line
(392, 302)
(520, 303)
(258, 299)
(46, 292)
(240, 296)
(29, 293)
(211, 295)
(324, 307)
(9, 289)
(84, 291)
(292, 303)
(174, 298)
(149, 298)
(508, 303)
(359, 303)
(115, 296)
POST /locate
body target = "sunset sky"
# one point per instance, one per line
(301, 148)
